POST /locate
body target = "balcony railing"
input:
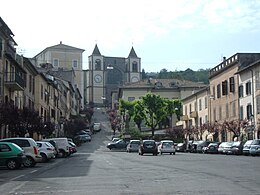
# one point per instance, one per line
(184, 118)
(14, 81)
(10, 50)
(194, 114)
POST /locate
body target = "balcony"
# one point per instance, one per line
(194, 114)
(184, 118)
(10, 51)
(14, 81)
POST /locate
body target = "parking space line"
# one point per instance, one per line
(16, 177)
(33, 171)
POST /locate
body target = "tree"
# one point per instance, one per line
(235, 126)
(154, 110)
(138, 113)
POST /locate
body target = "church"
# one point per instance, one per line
(106, 74)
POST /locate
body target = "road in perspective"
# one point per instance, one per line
(94, 169)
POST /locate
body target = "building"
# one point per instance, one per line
(63, 58)
(249, 98)
(106, 74)
(166, 88)
(225, 92)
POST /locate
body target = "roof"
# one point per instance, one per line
(96, 51)
(132, 53)
(63, 47)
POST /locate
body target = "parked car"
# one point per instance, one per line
(148, 146)
(133, 146)
(83, 138)
(181, 147)
(193, 146)
(255, 148)
(30, 149)
(212, 148)
(11, 155)
(114, 139)
(236, 148)
(97, 127)
(73, 147)
(166, 146)
(47, 151)
(202, 144)
(54, 144)
(62, 144)
(120, 144)
(85, 131)
(246, 147)
(227, 147)
(221, 147)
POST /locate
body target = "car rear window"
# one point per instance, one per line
(256, 142)
(135, 142)
(147, 143)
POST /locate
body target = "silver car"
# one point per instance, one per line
(47, 151)
(166, 146)
(133, 146)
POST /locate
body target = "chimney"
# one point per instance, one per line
(224, 58)
(60, 42)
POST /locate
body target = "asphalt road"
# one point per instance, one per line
(96, 170)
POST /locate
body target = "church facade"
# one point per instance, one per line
(106, 74)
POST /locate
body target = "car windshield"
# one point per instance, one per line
(180, 144)
(236, 143)
(135, 142)
(249, 142)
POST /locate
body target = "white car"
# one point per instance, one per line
(97, 127)
(47, 151)
(166, 146)
(62, 144)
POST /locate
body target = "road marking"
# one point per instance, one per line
(33, 171)
(16, 177)
(108, 162)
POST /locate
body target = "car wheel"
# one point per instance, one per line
(12, 164)
(173, 153)
(170, 153)
(29, 162)
(62, 153)
(142, 153)
(161, 153)
(44, 157)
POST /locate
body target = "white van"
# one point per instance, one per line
(62, 144)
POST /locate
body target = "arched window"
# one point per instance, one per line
(134, 66)
(98, 64)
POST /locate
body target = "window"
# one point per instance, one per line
(200, 121)
(233, 109)
(0, 86)
(240, 91)
(75, 63)
(30, 83)
(200, 107)
(248, 88)
(258, 104)
(98, 64)
(135, 67)
(218, 91)
(227, 110)
(257, 80)
(186, 112)
(249, 111)
(224, 87)
(56, 62)
(190, 108)
(206, 118)
(41, 91)
(220, 112)
(241, 113)
(232, 84)
(206, 102)
(130, 99)
(4, 148)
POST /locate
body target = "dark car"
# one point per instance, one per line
(212, 148)
(201, 145)
(148, 146)
(246, 147)
(193, 146)
(255, 148)
(120, 144)
(11, 155)
(236, 148)
(181, 147)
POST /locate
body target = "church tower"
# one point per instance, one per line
(106, 74)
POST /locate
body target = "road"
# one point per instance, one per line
(96, 170)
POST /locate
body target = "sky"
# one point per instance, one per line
(166, 34)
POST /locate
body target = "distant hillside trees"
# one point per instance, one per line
(196, 76)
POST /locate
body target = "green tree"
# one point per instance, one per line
(154, 109)
(138, 113)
